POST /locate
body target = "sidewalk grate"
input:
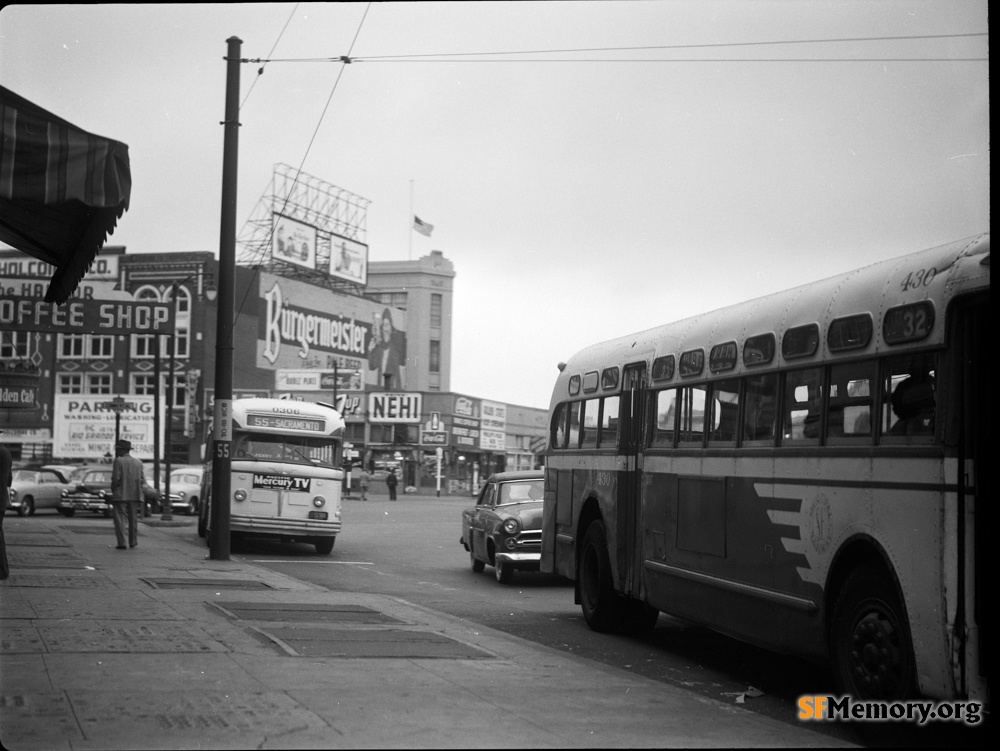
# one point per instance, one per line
(370, 643)
(109, 530)
(304, 612)
(35, 559)
(214, 583)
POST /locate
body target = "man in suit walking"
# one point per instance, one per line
(127, 480)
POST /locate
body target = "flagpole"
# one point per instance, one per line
(409, 256)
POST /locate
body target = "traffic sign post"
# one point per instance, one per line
(117, 405)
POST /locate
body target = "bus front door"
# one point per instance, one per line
(628, 539)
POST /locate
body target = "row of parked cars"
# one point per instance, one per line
(69, 488)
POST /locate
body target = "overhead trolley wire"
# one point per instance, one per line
(470, 56)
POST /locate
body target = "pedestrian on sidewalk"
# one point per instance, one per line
(127, 480)
(6, 479)
(390, 482)
(365, 482)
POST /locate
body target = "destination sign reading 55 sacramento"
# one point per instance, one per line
(285, 423)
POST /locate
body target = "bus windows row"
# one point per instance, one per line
(832, 404)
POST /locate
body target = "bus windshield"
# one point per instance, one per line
(285, 448)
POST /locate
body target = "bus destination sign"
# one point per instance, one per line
(284, 422)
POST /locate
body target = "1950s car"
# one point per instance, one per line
(35, 489)
(504, 528)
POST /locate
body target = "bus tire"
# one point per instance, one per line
(601, 605)
(639, 618)
(324, 545)
(872, 656)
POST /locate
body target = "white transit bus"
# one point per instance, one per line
(286, 482)
(806, 471)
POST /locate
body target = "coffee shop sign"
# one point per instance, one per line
(84, 316)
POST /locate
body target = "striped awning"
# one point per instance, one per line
(62, 190)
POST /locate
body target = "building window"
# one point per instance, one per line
(435, 356)
(98, 383)
(143, 384)
(435, 311)
(71, 346)
(102, 347)
(69, 383)
(14, 344)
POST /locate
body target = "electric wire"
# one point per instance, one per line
(261, 251)
(450, 56)
(260, 70)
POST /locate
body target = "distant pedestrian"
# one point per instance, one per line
(6, 478)
(366, 480)
(127, 480)
(390, 482)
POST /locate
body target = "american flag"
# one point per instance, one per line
(422, 227)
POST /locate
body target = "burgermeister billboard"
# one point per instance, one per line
(301, 326)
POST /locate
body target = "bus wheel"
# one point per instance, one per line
(871, 650)
(324, 545)
(602, 607)
(640, 618)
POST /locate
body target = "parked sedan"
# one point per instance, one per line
(185, 489)
(35, 489)
(504, 528)
(89, 490)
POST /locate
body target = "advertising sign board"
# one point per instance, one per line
(84, 425)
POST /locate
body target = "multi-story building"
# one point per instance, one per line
(386, 344)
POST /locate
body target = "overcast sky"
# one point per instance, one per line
(582, 189)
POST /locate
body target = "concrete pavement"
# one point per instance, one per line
(162, 648)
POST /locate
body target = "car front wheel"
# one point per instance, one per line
(504, 572)
(477, 565)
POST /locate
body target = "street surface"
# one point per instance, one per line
(410, 549)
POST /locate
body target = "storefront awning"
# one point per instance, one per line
(62, 190)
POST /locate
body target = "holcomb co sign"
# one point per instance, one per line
(85, 316)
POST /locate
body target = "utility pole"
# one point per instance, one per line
(223, 432)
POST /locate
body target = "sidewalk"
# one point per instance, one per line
(162, 648)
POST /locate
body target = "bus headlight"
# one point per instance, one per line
(240, 495)
(512, 526)
(319, 501)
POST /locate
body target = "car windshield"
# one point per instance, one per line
(185, 477)
(99, 476)
(521, 492)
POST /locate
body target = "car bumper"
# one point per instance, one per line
(285, 527)
(84, 504)
(523, 561)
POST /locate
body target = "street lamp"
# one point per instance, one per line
(209, 292)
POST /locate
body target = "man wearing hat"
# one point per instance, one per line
(127, 480)
(6, 478)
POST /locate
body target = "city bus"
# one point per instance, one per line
(286, 482)
(799, 471)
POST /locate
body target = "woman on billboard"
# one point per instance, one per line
(386, 353)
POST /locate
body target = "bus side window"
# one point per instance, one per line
(725, 405)
(759, 408)
(803, 402)
(588, 437)
(910, 403)
(558, 427)
(666, 418)
(849, 411)
(574, 425)
(609, 421)
(692, 427)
